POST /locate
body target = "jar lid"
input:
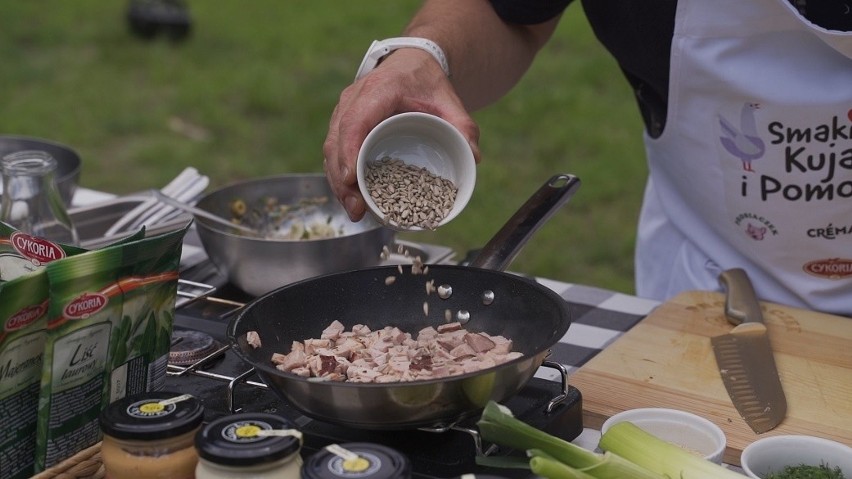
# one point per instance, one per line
(152, 415)
(235, 439)
(375, 462)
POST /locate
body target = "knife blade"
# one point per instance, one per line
(745, 358)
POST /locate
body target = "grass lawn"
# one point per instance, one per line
(250, 93)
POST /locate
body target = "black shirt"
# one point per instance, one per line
(638, 33)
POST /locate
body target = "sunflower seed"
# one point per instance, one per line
(408, 195)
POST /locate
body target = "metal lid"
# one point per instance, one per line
(236, 440)
(375, 462)
(152, 415)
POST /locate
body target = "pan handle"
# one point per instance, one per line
(499, 252)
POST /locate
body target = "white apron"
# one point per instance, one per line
(754, 168)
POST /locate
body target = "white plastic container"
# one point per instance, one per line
(687, 430)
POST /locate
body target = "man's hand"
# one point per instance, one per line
(407, 80)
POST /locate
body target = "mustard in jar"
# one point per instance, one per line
(151, 436)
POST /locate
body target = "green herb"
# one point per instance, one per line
(803, 471)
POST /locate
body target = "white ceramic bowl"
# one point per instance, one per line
(690, 431)
(774, 453)
(422, 140)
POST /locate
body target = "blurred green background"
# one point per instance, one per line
(250, 91)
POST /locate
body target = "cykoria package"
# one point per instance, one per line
(24, 297)
(110, 318)
(23, 309)
(21, 253)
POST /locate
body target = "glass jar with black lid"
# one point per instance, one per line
(249, 445)
(360, 460)
(151, 436)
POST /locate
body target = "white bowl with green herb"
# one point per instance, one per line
(796, 456)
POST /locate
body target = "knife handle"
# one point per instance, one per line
(741, 303)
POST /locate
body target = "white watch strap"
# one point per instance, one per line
(381, 48)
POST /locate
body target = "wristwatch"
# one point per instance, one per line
(382, 48)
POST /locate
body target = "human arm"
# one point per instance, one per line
(486, 56)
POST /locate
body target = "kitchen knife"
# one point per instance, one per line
(745, 359)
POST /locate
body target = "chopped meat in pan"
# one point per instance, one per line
(392, 355)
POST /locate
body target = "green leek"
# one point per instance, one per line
(544, 465)
(646, 450)
(499, 426)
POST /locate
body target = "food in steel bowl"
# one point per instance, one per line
(295, 222)
(260, 264)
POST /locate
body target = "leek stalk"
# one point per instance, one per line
(550, 468)
(644, 449)
(499, 426)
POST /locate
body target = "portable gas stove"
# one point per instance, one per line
(202, 364)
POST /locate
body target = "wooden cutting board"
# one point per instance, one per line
(666, 361)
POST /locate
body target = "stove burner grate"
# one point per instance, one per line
(189, 347)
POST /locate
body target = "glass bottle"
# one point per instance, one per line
(30, 198)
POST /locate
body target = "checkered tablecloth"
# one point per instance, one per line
(598, 317)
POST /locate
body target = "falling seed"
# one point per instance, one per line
(399, 268)
(425, 308)
(390, 280)
(448, 315)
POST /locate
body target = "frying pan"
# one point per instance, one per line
(531, 315)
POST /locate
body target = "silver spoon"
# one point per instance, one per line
(204, 214)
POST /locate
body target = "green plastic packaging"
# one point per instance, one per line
(110, 317)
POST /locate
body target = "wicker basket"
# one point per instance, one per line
(86, 464)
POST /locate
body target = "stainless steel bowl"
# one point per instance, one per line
(258, 265)
(69, 163)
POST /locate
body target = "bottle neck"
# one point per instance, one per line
(30, 201)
